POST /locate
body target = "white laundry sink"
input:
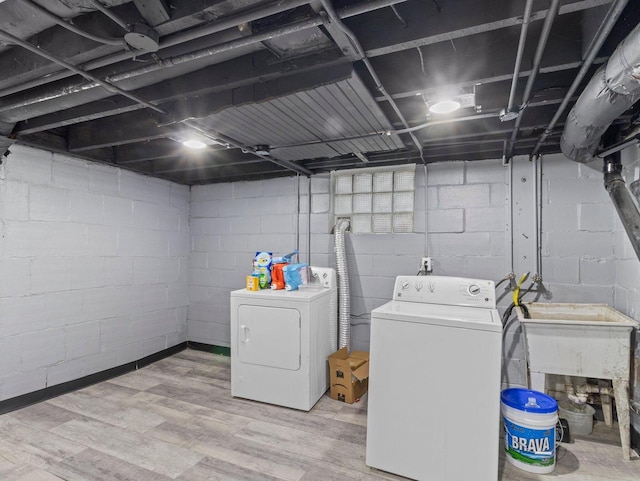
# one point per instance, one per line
(586, 340)
(589, 340)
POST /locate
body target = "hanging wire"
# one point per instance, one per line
(402, 20)
(421, 60)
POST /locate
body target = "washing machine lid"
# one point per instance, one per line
(452, 316)
(304, 294)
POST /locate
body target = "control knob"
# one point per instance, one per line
(474, 289)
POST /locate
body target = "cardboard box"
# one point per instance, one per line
(348, 375)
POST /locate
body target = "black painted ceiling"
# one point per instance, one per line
(277, 87)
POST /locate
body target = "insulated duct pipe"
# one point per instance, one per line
(596, 109)
(614, 88)
(605, 28)
(635, 189)
(344, 298)
(623, 202)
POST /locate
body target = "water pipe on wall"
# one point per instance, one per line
(537, 186)
(426, 210)
(509, 214)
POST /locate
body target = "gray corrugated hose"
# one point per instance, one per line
(344, 299)
(613, 89)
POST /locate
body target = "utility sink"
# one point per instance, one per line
(586, 340)
(590, 340)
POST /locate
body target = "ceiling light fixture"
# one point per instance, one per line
(444, 106)
(194, 144)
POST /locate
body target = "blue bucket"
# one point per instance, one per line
(530, 419)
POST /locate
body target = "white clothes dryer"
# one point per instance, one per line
(280, 341)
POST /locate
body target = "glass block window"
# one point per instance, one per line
(375, 200)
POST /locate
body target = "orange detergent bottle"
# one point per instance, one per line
(277, 276)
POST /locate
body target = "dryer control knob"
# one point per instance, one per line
(474, 289)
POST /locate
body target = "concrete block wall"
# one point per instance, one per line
(462, 229)
(578, 238)
(465, 228)
(229, 223)
(95, 261)
(93, 268)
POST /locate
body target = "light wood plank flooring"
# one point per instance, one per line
(176, 419)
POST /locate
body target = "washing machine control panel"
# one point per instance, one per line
(455, 291)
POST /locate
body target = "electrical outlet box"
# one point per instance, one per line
(425, 264)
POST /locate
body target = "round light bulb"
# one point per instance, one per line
(444, 106)
(194, 144)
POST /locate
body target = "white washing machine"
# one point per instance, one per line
(280, 341)
(434, 380)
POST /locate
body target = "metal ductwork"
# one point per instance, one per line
(614, 88)
(623, 202)
(635, 189)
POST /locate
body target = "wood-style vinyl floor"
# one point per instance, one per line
(176, 419)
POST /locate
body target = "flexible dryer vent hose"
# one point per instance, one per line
(344, 299)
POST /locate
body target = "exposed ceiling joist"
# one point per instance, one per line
(230, 173)
(242, 71)
(140, 127)
(439, 28)
(213, 160)
(484, 55)
(109, 131)
(284, 109)
(155, 12)
(492, 79)
(339, 37)
(21, 65)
